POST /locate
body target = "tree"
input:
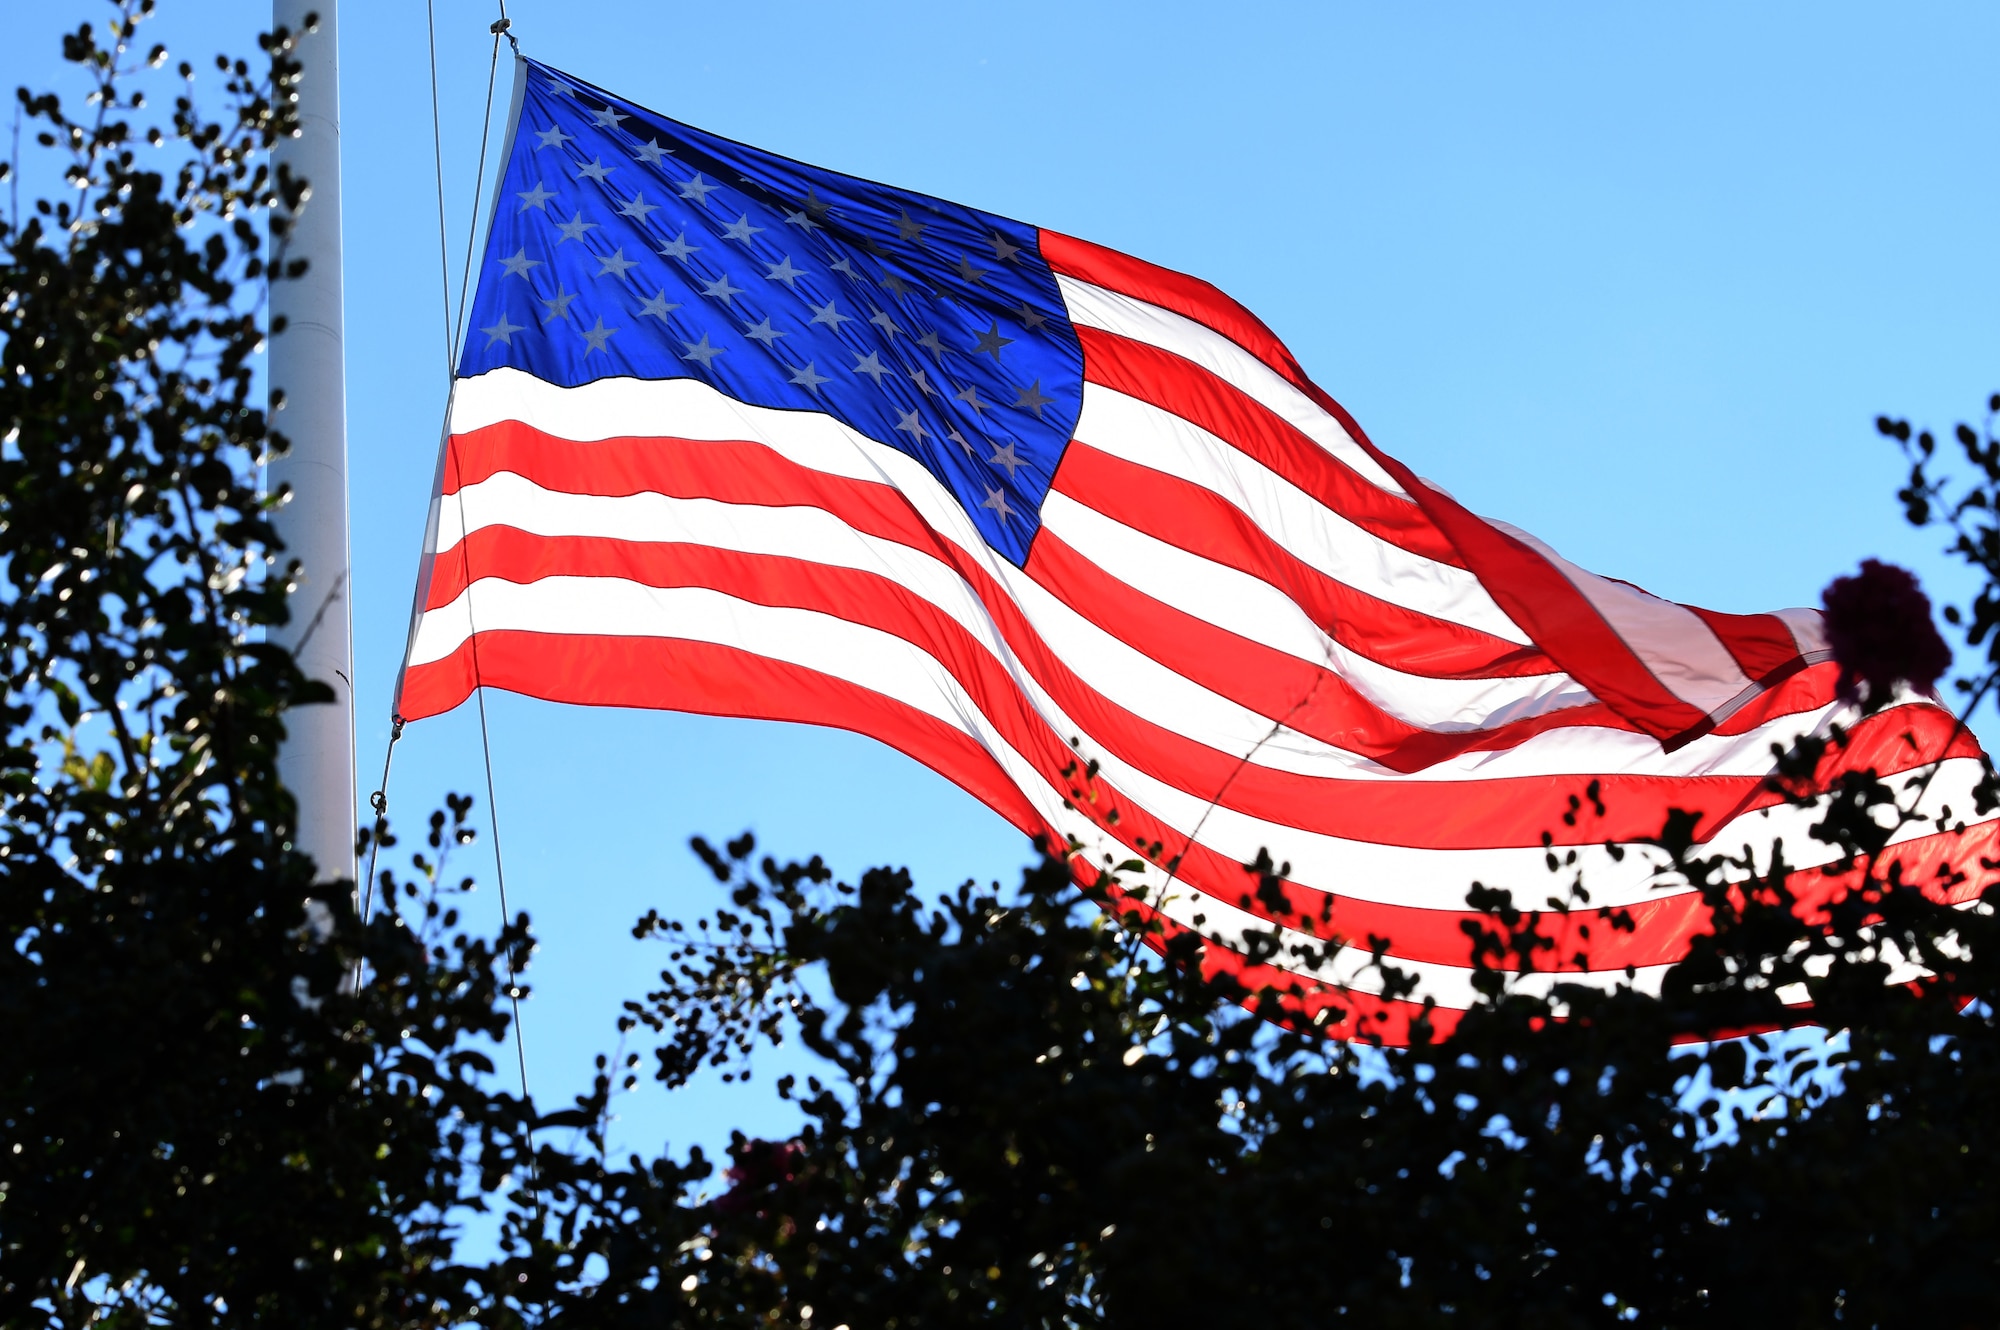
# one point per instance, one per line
(204, 1120)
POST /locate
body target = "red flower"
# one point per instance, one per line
(760, 1166)
(1878, 623)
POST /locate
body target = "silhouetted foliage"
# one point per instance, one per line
(200, 1120)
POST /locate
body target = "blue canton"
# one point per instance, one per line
(625, 244)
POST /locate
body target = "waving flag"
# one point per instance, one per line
(736, 435)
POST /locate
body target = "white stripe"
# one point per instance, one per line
(1149, 436)
(1808, 629)
(684, 408)
(1112, 312)
(1352, 967)
(882, 662)
(1201, 588)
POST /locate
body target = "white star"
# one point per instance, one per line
(1007, 457)
(1001, 249)
(502, 331)
(721, 289)
(637, 208)
(827, 314)
(909, 424)
(679, 248)
(805, 378)
(785, 272)
(652, 154)
(741, 229)
(574, 228)
(997, 501)
(553, 137)
(597, 336)
(1033, 399)
(518, 265)
(800, 219)
(871, 364)
(535, 198)
(558, 304)
(990, 343)
(958, 439)
(607, 117)
(840, 266)
(615, 264)
(929, 342)
(764, 332)
(659, 307)
(697, 189)
(559, 89)
(597, 171)
(815, 206)
(884, 322)
(970, 396)
(922, 380)
(701, 351)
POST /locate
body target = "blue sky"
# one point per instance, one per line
(1635, 280)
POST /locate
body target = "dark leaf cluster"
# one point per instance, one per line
(203, 1117)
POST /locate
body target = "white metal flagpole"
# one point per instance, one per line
(308, 364)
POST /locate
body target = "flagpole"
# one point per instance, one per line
(308, 364)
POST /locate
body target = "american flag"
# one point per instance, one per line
(736, 435)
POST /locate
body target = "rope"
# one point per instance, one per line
(451, 348)
(437, 160)
(453, 332)
(379, 802)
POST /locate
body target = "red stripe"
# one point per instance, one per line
(1204, 523)
(1671, 922)
(672, 674)
(1203, 398)
(1761, 643)
(1535, 594)
(1187, 296)
(1346, 1014)
(1806, 689)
